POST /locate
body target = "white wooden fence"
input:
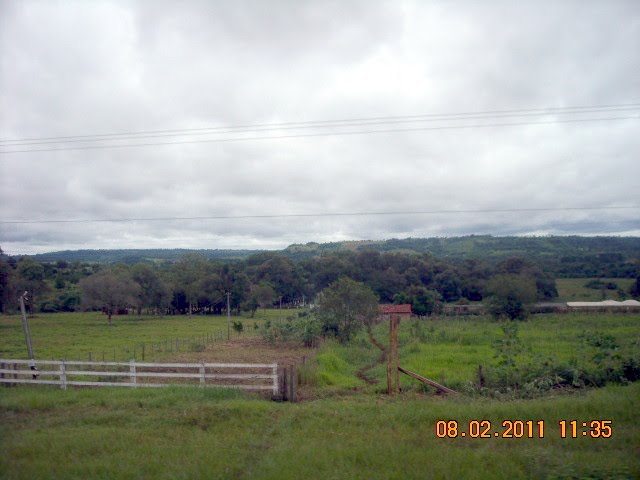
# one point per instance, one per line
(139, 374)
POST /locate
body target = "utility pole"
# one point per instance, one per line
(25, 325)
(27, 332)
(228, 316)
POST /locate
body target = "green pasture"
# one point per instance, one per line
(347, 429)
(574, 290)
(72, 336)
(450, 349)
(47, 433)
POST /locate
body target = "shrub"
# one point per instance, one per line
(238, 326)
(511, 296)
(344, 307)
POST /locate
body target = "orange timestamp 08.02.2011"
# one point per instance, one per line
(522, 429)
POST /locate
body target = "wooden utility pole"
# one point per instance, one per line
(393, 360)
(25, 326)
(228, 316)
(27, 332)
(389, 354)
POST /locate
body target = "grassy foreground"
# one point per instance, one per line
(193, 433)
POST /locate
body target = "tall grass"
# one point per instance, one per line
(450, 349)
(201, 433)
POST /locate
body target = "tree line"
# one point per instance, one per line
(559, 256)
(196, 284)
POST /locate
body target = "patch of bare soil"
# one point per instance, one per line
(249, 350)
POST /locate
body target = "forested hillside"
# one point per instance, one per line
(131, 256)
(560, 256)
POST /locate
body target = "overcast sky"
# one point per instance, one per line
(75, 68)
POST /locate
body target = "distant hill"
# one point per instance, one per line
(482, 246)
(564, 256)
(131, 256)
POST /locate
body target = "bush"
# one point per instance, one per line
(423, 301)
(344, 307)
(238, 326)
(511, 296)
(305, 330)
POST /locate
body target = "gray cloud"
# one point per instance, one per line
(75, 68)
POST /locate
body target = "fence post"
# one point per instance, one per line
(202, 377)
(275, 379)
(63, 375)
(292, 384)
(2, 374)
(285, 389)
(132, 371)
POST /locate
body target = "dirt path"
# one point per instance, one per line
(362, 372)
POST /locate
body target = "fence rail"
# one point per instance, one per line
(246, 376)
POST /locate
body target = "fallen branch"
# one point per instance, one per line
(442, 388)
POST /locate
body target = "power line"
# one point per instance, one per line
(302, 125)
(324, 134)
(626, 224)
(549, 110)
(307, 215)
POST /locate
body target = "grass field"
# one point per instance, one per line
(574, 290)
(344, 428)
(450, 349)
(209, 434)
(72, 336)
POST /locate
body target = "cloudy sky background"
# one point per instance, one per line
(73, 68)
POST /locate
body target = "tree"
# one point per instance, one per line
(448, 284)
(634, 290)
(109, 290)
(263, 294)
(6, 275)
(30, 277)
(422, 300)
(153, 292)
(210, 292)
(511, 295)
(187, 272)
(344, 307)
(281, 273)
